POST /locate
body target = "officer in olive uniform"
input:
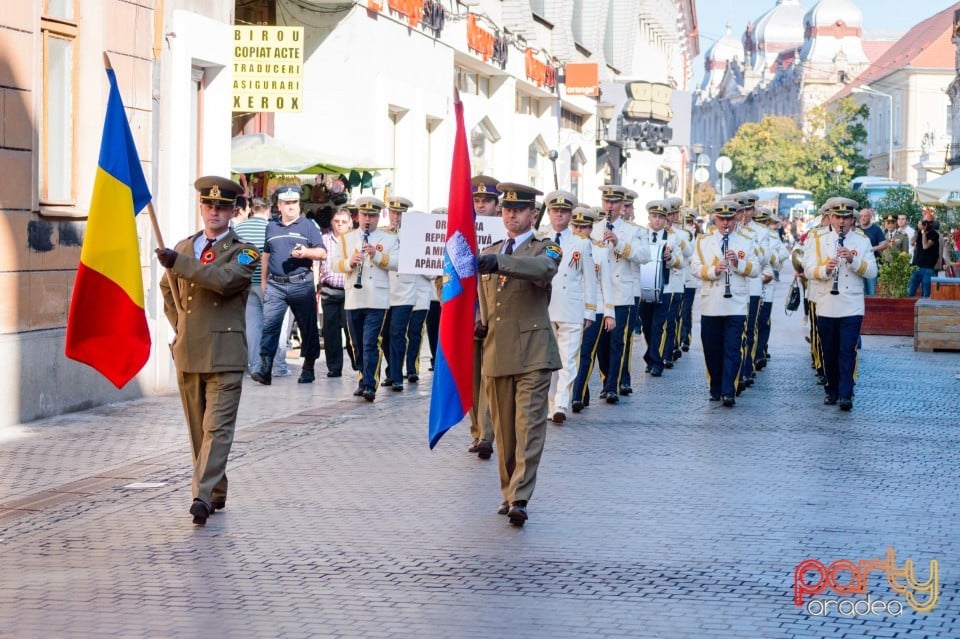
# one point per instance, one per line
(486, 203)
(206, 305)
(519, 348)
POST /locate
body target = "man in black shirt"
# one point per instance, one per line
(925, 255)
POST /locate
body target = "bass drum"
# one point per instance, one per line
(651, 275)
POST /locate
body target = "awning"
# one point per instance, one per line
(944, 190)
(258, 152)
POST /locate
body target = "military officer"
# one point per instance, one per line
(897, 240)
(206, 305)
(844, 257)
(573, 302)
(747, 201)
(366, 255)
(519, 349)
(604, 319)
(627, 251)
(628, 215)
(486, 203)
(690, 285)
(403, 297)
(674, 288)
(724, 260)
(814, 291)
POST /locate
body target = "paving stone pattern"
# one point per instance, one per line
(666, 516)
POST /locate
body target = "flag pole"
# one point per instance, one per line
(153, 218)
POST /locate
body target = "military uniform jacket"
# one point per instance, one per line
(707, 255)
(815, 289)
(514, 306)
(629, 252)
(760, 235)
(375, 292)
(689, 281)
(851, 275)
(677, 260)
(426, 292)
(574, 296)
(210, 327)
(777, 254)
(601, 265)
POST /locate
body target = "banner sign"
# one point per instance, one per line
(267, 69)
(422, 238)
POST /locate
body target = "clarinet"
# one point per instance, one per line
(363, 242)
(724, 247)
(836, 274)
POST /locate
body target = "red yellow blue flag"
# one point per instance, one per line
(107, 324)
(452, 394)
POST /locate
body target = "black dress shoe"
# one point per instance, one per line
(656, 371)
(265, 378)
(334, 374)
(577, 407)
(846, 404)
(604, 394)
(358, 392)
(748, 381)
(369, 394)
(668, 365)
(612, 398)
(830, 400)
(685, 348)
(484, 449)
(217, 505)
(306, 377)
(647, 368)
(558, 417)
(386, 382)
(413, 379)
(504, 508)
(396, 388)
(473, 446)
(677, 354)
(821, 379)
(626, 390)
(714, 398)
(728, 401)
(200, 512)
(518, 513)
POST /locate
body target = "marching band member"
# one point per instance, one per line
(655, 313)
(815, 290)
(573, 302)
(725, 261)
(627, 250)
(604, 319)
(675, 287)
(690, 285)
(628, 214)
(747, 201)
(842, 257)
(776, 254)
(403, 297)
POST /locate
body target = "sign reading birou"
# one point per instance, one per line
(423, 235)
(267, 68)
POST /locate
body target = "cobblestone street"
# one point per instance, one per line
(665, 516)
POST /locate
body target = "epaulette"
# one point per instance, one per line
(497, 243)
(745, 236)
(598, 243)
(390, 231)
(859, 232)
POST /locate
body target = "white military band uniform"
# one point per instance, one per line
(777, 254)
(689, 281)
(707, 255)
(376, 279)
(573, 300)
(630, 250)
(816, 289)
(760, 234)
(849, 301)
(601, 265)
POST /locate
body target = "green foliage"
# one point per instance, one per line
(895, 275)
(777, 152)
(821, 195)
(900, 201)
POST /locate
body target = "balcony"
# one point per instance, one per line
(953, 154)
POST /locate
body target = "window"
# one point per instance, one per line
(571, 120)
(58, 130)
(472, 83)
(528, 105)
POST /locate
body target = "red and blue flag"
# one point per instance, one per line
(452, 394)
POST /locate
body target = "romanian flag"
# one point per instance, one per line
(452, 394)
(107, 325)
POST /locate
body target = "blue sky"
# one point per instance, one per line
(885, 16)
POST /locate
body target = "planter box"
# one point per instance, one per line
(938, 325)
(888, 316)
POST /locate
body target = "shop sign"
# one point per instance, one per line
(541, 73)
(267, 69)
(582, 78)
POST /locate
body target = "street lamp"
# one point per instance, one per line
(838, 171)
(866, 88)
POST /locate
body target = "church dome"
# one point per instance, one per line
(725, 50)
(830, 13)
(832, 34)
(781, 27)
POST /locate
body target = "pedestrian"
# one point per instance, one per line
(725, 262)
(254, 231)
(291, 245)
(206, 305)
(519, 349)
(843, 256)
(366, 256)
(926, 254)
(332, 299)
(877, 240)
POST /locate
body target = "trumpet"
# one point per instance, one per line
(363, 242)
(724, 246)
(836, 274)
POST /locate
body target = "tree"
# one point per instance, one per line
(777, 152)
(900, 201)
(824, 193)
